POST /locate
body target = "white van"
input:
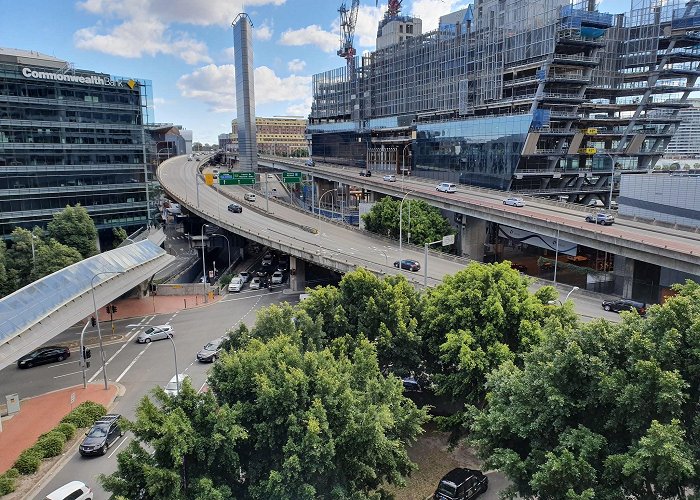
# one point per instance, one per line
(595, 204)
(75, 490)
(249, 197)
(446, 187)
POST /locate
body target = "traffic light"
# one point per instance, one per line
(93, 321)
(114, 309)
(86, 353)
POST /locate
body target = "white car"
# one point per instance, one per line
(514, 202)
(255, 283)
(244, 275)
(173, 387)
(277, 278)
(236, 284)
(446, 187)
(249, 197)
(155, 333)
(75, 490)
(389, 178)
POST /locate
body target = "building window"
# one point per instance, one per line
(409, 28)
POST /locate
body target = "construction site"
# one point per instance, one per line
(543, 97)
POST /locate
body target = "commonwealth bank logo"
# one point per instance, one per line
(131, 84)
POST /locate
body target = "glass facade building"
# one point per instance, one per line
(70, 136)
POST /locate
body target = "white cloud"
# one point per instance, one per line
(366, 29)
(430, 11)
(301, 109)
(296, 65)
(311, 35)
(263, 32)
(158, 101)
(215, 86)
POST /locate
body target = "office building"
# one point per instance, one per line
(278, 136)
(70, 136)
(545, 98)
(245, 91)
(685, 143)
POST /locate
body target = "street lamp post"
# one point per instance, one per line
(556, 257)
(319, 209)
(425, 264)
(401, 225)
(570, 292)
(177, 373)
(204, 263)
(554, 302)
(228, 245)
(612, 179)
(97, 319)
(403, 163)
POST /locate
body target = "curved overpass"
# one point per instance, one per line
(664, 246)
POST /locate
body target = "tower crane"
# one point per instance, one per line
(393, 8)
(348, 20)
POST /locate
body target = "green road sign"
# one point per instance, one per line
(237, 179)
(291, 177)
(244, 175)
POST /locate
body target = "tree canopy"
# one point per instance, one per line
(425, 224)
(601, 410)
(73, 226)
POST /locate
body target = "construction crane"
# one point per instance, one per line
(392, 9)
(348, 20)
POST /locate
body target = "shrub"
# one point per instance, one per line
(7, 484)
(28, 461)
(67, 429)
(51, 444)
(85, 414)
(13, 473)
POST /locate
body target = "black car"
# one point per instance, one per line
(103, 434)
(209, 352)
(518, 267)
(235, 208)
(43, 355)
(411, 265)
(410, 384)
(625, 305)
(366, 173)
(461, 484)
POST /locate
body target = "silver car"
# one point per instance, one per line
(155, 333)
(173, 387)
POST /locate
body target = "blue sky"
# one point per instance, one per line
(185, 47)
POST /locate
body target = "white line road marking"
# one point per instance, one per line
(115, 354)
(117, 448)
(67, 374)
(203, 385)
(132, 363)
(56, 365)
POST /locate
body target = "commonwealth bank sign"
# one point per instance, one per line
(88, 80)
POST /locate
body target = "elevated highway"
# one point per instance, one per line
(664, 246)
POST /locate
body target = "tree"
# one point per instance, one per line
(119, 234)
(426, 224)
(73, 227)
(18, 258)
(3, 270)
(601, 410)
(51, 257)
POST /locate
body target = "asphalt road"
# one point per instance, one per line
(141, 367)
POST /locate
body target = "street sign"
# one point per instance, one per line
(448, 240)
(237, 179)
(244, 175)
(291, 177)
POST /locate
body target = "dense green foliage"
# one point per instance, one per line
(601, 410)
(426, 223)
(7, 484)
(85, 414)
(73, 227)
(119, 234)
(28, 461)
(67, 429)
(51, 444)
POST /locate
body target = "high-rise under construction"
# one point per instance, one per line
(547, 97)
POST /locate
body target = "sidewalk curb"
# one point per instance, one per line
(70, 452)
(204, 304)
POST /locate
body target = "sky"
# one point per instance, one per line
(185, 47)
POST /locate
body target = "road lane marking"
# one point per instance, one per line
(67, 374)
(56, 365)
(117, 448)
(113, 356)
(132, 363)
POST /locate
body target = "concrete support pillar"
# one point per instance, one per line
(628, 279)
(472, 238)
(297, 274)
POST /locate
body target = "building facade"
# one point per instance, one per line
(277, 136)
(685, 143)
(245, 91)
(70, 136)
(545, 98)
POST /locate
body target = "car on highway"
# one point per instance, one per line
(235, 208)
(75, 490)
(446, 187)
(270, 176)
(620, 305)
(267, 259)
(461, 484)
(210, 352)
(236, 284)
(43, 355)
(244, 275)
(102, 435)
(282, 266)
(172, 388)
(601, 218)
(389, 178)
(261, 273)
(309, 163)
(255, 283)
(277, 278)
(249, 197)
(159, 332)
(411, 265)
(514, 202)
(366, 173)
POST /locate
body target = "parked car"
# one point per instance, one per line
(155, 333)
(244, 275)
(255, 283)
(75, 490)
(267, 259)
(236, 284)
(366, 173)
(601, 218)
(261, 273)
(446, 187)
(249, 197)
(309, 163)
(389, 178)
(518, 267)
(595, 204)
(172, 388)
(461, 484)
(43, 355)
(277, 278)
(514, 202)
(410, 384)
(625, 305)
(210, 352)
(282, 266)
(235, 208)
(102, 435)
(411, 265)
